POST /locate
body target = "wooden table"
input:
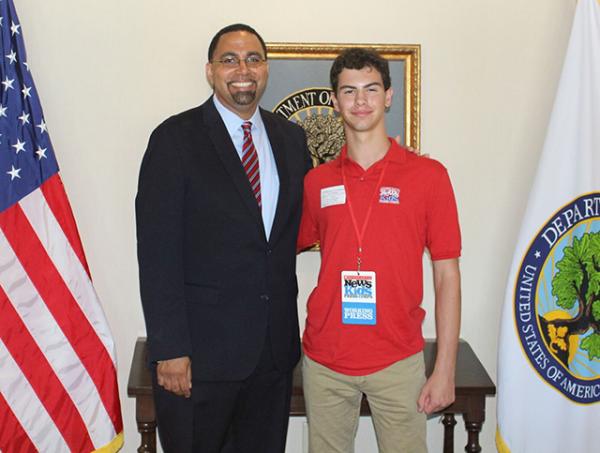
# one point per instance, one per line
(473, 385)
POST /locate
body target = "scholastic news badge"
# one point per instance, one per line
(359, 299)
(389, 195)
(557, 300)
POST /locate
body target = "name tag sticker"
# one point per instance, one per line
(334, 195)
(359, 301)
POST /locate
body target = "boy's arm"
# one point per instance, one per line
(438, 391)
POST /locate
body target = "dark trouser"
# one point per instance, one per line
(249, 416)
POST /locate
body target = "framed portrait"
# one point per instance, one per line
(299, 90)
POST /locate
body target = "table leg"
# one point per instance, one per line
(474, 418)
(448, 421)
(146, 423)
(473, 428)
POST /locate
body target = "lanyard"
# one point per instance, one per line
(360, 233)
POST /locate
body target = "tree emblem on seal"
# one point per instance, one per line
(576, 284)
(312, 109)
(324, 136)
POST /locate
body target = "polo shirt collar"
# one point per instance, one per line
(395, 154)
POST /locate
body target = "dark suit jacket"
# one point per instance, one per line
(210, 281)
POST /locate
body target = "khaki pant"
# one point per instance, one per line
(333, 407)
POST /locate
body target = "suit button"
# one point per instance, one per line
(269, 251)
(264, 297)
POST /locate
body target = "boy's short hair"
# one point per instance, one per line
(358, 58)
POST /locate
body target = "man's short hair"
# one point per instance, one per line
(232, 28)
(359, 58)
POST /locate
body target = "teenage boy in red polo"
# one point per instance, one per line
(374, 211)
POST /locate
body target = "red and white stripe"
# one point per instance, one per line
(55, 345)
(250, 161)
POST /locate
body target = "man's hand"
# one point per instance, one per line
(437, 394)
(175, 375)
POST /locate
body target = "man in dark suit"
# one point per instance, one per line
(218, 208)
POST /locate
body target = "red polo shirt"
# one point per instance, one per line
(413, 209)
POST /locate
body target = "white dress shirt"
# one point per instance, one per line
(269, 178)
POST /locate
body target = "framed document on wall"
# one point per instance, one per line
(299, 90)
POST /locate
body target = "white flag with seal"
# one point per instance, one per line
(549, 347)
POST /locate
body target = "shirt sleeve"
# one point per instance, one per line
(443, 230)
(308, 234)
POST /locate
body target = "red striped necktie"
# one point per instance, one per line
(250, 161)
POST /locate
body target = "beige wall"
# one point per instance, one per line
(109, 71)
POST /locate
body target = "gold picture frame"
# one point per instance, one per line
(299, 86)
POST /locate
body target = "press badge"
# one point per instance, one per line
(331, 196)
(359, 305)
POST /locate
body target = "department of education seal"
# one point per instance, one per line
(312, 109)
(557, 300)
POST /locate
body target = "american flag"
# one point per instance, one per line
(58, 386)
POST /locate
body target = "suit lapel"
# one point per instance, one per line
(277, 140)
(227, 153)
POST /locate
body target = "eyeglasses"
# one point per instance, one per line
(252, 61)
